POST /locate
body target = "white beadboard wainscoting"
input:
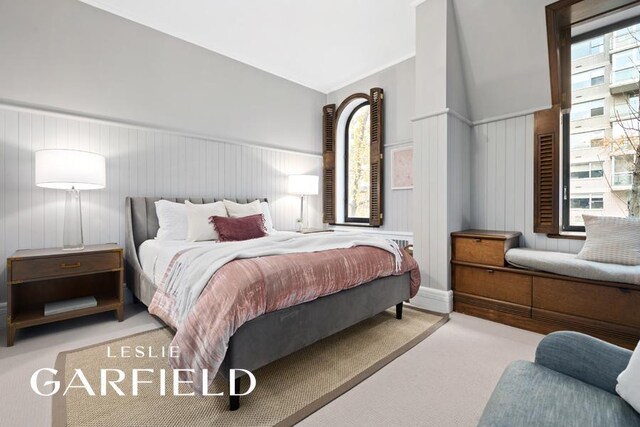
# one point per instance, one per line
(441, 200)
(502, 182)
(140, 162)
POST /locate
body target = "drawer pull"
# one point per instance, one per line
(477, 240)
(76, 265)
(490, 271)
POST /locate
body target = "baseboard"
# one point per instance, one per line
(433, 300)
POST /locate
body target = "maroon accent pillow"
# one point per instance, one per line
(236, 229)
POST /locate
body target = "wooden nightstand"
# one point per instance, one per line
(39, 276)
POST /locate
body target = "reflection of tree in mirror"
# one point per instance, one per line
(358, 163)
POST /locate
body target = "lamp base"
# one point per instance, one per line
(72, 239)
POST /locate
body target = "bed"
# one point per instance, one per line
(274, 334)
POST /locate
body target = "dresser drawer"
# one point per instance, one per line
(488, 283)
(479, 250)
(598, 302)
(39, 268)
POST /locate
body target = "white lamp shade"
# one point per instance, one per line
(303, 185)
(66, 169)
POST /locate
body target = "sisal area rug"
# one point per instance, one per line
(287, 390)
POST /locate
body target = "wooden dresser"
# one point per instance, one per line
(484, 286)
(39, 276)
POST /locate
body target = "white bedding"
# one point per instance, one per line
(155, 255)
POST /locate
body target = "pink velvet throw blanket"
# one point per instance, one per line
(243, 289)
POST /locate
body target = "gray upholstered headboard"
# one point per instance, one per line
(142, 220)
(141, 223)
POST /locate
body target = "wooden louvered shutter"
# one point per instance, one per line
(329, 164)
(546, 181)
(376, 201)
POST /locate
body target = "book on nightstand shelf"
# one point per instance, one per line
(64, 306)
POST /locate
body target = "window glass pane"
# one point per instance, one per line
(580, 171)
(585, 110)
(358, 164)
(587, 79)
(579, 203)
(625, 65)
(598, 156)
(597, 202)
(587, 139)
(587, 48)
(596, 170)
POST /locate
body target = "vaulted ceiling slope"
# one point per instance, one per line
(503, 47)
(323, 45)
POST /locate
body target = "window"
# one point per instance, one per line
(574, 141)
(587, 170)
(625, 65)
(352, 147)
(622, 170)
(587, 79)
(587, 48)
(604, 164)
(626, 36)
(586, 110)
(357, 162)
(626, 107)
(583, 140)
(587, 201)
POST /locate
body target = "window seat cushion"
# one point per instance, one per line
(569, 265)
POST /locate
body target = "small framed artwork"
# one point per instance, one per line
(402, 168)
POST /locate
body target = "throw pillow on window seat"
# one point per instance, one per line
(611, 240)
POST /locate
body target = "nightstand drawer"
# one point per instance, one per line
(488, 283)
(72, 264)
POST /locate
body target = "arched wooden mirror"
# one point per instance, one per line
(353, 140)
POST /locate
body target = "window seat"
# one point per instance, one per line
(569, 265)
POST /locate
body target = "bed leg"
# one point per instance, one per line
(234, 401)
(399, 310)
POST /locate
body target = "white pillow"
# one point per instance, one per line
(198, 227)
(172, 219)
(238, 210)
(268, 222)
(629, 381)
(611, 240)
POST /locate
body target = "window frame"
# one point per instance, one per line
(551, 136)
(347, 218)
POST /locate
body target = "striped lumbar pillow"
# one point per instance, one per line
(611, 240)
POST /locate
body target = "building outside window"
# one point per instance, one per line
(599, 158)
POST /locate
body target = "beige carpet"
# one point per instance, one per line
(286, 392)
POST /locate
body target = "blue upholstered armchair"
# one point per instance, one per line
(572, 383)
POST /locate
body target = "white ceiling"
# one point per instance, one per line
(323, 44)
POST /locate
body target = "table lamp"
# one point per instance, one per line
(71, 170)
(303, 185)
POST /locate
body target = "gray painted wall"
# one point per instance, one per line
(140, 162)
(398, 82)
(73, 57)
